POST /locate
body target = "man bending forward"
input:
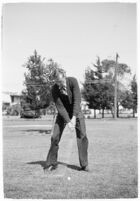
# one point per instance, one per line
(67, 98)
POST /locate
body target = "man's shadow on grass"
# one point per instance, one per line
(41, 131)
(43, 164)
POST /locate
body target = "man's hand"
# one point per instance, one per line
(73, 121)
(71, 126)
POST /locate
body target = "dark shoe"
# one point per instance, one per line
(85, 168)
(50, 168)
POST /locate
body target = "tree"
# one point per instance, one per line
(38, 81)
(129, 100)
(98, 87)
(96, 90)
(122, 71)
(90, 89)
(134, 94)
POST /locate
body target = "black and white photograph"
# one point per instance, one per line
(69, 100)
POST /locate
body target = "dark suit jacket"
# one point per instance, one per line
(67, 106)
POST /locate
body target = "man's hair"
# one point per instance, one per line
(58, 71)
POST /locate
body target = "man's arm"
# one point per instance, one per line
(59, 105)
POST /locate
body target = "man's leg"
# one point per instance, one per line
(82, 141)
(57, 133)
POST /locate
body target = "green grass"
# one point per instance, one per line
(112, 161)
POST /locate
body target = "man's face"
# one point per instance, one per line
(60, 79)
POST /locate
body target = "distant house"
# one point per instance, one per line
(15, 99)
(6, 100)
(84, 105)
(9, 99)
(11, 103)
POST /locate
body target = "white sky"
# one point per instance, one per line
(72, 34)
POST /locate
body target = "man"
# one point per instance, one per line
(67, 98)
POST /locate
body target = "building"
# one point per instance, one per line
(84, 105)
(9, 99)
(15, 99)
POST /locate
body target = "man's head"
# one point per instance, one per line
(59, 76)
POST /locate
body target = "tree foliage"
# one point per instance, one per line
(130, 97)
(98, 87)
(97, 91)
(38, 81)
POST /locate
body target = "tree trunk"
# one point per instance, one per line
(94, 114)
(133, 113)
(102, 113)
(112, 112)
(117, 110)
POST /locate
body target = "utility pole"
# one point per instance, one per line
(115, 87)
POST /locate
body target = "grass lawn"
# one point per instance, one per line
(112, 161)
